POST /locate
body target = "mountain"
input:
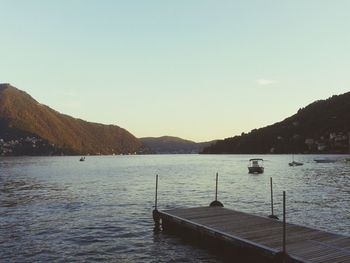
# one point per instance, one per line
(28, 127)
(169, 144)
(321, 127)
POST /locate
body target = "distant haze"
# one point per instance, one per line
(196, 69)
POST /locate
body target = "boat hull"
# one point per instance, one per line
(325, 160)
(255, 170)
(295, 164)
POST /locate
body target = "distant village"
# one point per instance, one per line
(34, 146)
(26, 146)
(334, 142)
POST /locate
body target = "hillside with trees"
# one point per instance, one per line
(28, 127)
(321, 127)
(173, 145)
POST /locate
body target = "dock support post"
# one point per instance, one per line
(156, 195)
(216, 187)
(284, 223)
(216, 202)
(282, 256)
(155, 213)
(271, 190)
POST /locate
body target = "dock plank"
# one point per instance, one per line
(304, 244)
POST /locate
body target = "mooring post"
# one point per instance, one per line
(271, 196)
(282, 256)
(216, 187)
(216, 202)
(284, 221)
(156, 195)
(271, 190)
(155, 213)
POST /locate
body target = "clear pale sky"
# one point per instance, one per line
(196, 69)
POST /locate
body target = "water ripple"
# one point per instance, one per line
(57, 209)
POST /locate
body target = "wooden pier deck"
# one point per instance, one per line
(258, 235)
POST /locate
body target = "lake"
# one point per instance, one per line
(58, 209)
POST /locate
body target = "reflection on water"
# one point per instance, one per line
(25, 191)
(60, 209)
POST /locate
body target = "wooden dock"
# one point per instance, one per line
(256, 235)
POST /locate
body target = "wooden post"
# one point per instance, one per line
(216, 187)
(271, 196)
(282, 256)
(155, 213)
(271, 190)
(156, 197)
(216, 202)
(284, 224)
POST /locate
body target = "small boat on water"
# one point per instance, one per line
(294, 163)
(324, 160)
(256, 166)
(82, 159)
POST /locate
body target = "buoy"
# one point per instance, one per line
(216, 203)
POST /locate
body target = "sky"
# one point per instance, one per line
(196, 69)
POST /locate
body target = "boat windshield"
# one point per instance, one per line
(256, 162)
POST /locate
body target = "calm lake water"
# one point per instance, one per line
(57, 209)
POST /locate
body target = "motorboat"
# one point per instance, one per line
(82, 159)
(256, 166)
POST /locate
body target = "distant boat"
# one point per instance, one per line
(294, 163)
(256, 166)
(324, 160)
(82, 159)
